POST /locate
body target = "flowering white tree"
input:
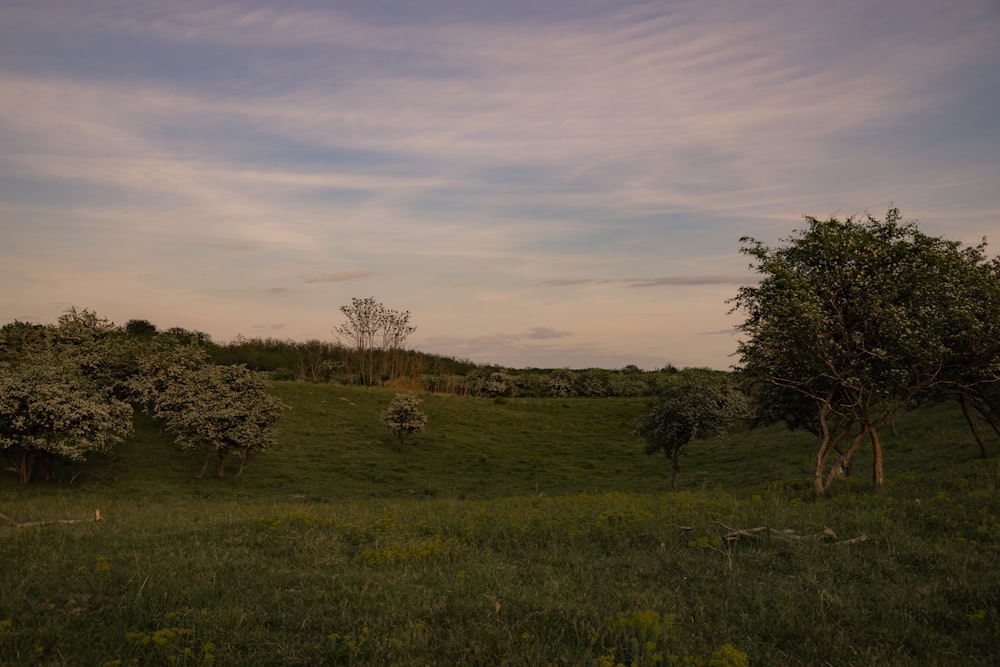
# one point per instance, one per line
(225, 409)
(49, 411)
(404, 416)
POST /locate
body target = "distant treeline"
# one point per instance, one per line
(321, 361)
(411, 370)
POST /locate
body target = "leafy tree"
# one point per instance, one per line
(221, 409)
(497, 384)
(693, 406)
(561, 383)
(375, 333)
(182, 336)
(851, 321)
(974, 378)
(140, 328)
(50, 411)
(210, 408)
(18, 339)
(103, 351)
(404, 416)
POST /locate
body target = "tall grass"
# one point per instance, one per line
(514, 533)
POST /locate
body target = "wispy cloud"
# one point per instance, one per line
(688, 280)
(663, 281)
(337, 276)
(474, 149)
(546, 333)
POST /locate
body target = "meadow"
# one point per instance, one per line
(511, 532)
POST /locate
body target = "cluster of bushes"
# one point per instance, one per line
(493, 382)
(320, 361)
(69, 390)
(323, 361)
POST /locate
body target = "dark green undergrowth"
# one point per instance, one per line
(524, 532)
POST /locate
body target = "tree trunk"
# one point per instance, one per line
(675, 465)
(243, 462)
(221, 470)
(877, 476)
(25, 466)
(843, 461)
(204, 465)
(48, 462)
(969, 417)
(826, 442)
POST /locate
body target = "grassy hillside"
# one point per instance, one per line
(520, 532)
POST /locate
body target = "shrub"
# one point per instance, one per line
(404, 416)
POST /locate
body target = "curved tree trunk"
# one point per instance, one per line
(842, 462)
(204, 465)
(877, 475)
(971, 419)
(25, 466)
(243, 462)
(825, 443)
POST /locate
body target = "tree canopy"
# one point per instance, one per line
(404, 417)
(854, 319)
(209, 408)
(692, 406)
(377, 334)
(50, 411)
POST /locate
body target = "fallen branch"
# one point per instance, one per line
(827, 535)
(30, 524)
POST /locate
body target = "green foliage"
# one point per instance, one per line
(404, 417)
(58, 387)
(221, 409)
(140, 328)
(851, 321)
(49, 409)
(693, 406)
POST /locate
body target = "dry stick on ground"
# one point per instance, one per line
(734, 535)
(29, 524)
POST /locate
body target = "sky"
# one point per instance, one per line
(541, 183)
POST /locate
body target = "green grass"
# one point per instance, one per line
(524, 532)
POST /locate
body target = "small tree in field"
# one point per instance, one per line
(691, 407)
(404, 416)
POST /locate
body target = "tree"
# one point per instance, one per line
(561, 383)
(374, 332)
(404, 416)
(693, 406)
(50, 411)
(851, 321)
(18, 339)
(140, 328)
(221, 409)
(206, 407)
(975, 377)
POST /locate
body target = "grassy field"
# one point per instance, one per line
(517, 532)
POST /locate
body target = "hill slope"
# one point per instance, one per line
(514, 533)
